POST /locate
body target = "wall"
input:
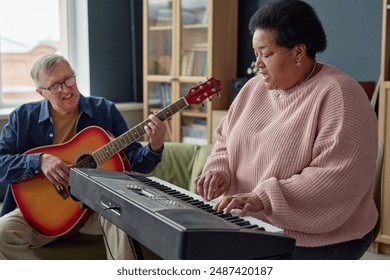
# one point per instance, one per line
(115, 49)
(353, 28)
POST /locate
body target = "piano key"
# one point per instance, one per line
(243, 223)
(250, 226)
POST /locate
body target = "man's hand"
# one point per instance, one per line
(156, 130)
(55, 170)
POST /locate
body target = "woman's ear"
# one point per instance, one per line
(299, 52)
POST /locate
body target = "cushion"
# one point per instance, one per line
(176, 164)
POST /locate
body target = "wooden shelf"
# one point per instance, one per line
(159, 28)
(213, 51)
(193, 113)
(194, 26)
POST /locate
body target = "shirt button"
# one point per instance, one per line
(51, 135)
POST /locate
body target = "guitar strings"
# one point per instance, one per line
(87, 162)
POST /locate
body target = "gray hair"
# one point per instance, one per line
(45, 63)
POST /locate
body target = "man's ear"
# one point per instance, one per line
(37, 90)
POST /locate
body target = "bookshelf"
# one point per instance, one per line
(184, 43)
(382, 243)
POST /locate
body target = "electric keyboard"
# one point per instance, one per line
(173, 222)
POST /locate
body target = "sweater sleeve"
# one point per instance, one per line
(218, 160)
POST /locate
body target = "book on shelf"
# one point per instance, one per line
(164, 17)
(194, 12)
(191, 63)
(165, 94)
(194, 130)
(200, 68)
(154, 99)
(200, 121)
(194, 60)
(190, 16)
(184, 61)
(188, 131)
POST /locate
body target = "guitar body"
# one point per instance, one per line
(43, 208)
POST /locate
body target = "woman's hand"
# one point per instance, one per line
(246, 202)
(212, 184)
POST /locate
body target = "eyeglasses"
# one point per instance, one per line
(57, 88)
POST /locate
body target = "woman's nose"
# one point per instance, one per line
(259, 63)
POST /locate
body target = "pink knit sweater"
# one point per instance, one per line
(309, 153)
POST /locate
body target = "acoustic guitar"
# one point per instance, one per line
(49, 209)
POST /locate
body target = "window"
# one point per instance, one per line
(27, 29)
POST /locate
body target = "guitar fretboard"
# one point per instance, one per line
(124, 140)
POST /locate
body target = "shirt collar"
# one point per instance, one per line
(84, 107)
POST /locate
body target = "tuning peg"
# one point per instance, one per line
(190, 88)
(218, 95)
(202, 104)
(210, 98)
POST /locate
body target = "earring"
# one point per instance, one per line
(298, 64)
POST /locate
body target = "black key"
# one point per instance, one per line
(243, 223)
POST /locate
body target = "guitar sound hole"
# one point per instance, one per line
(86, 161)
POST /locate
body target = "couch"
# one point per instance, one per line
(180, 165)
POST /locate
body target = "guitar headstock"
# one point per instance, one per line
(201, 92)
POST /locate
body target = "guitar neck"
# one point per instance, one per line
(124, 140)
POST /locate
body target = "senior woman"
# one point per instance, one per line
(298, 146)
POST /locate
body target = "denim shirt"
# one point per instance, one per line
(30, 126)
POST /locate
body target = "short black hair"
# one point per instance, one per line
(294, 22)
